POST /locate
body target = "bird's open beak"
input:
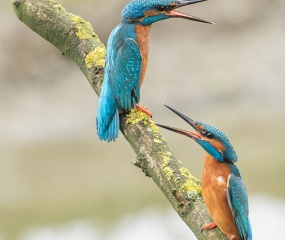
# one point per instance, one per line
(176, 14)
(196, 135)
(180, 131)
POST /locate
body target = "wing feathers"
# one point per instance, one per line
(238, 202)
(126, 77)
(121, 86)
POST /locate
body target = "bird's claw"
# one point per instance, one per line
(209, 226)
(143, 109)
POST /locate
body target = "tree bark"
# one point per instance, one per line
(76, 39)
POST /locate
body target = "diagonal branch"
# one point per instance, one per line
(76, 39)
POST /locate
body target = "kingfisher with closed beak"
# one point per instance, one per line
(126, 60)
(223, 191)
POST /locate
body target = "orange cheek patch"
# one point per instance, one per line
(150, 13)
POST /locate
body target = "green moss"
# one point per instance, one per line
(84, 29)
(96, 58)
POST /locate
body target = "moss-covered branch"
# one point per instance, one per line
(75, 38)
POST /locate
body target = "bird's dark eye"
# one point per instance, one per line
(161, 8)
(164, 8)
(209, 135)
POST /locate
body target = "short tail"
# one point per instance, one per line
(108, 123)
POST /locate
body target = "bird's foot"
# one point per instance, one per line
(209, 226)
(233, 237)
(143, 109)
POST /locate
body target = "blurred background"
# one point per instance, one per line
(58, 181)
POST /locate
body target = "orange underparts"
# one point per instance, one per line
(143, 109)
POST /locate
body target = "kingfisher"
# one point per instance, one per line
(223, 191)
(126, 60)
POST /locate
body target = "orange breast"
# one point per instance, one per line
(214, 191)
(142, 40)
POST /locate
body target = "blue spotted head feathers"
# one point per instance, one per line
(215, 139)
(147, 12)
(136, 9)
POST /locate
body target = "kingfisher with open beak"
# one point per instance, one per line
(223, 190)
(127, 57)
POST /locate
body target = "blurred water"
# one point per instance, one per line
(267, 216)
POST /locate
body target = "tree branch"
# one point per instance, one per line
(75, 38)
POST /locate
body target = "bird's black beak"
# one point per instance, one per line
(176, 14)
(180, 131)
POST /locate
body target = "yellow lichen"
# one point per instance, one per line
(191, 183)
(96, 58)
(166, 168)
(177, 180)
(152, 128)
(191, 186)
(135, 116)
(184, 172)
(166, 156)
(188, 183)
(169, 172)
(58, 7)
(84, 29)
(157, 141)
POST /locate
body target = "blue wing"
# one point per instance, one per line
(238, 202)
(125, 79)
(121, 85)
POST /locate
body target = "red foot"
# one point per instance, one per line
(233, 238)
(143, 109)
(209, 226)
